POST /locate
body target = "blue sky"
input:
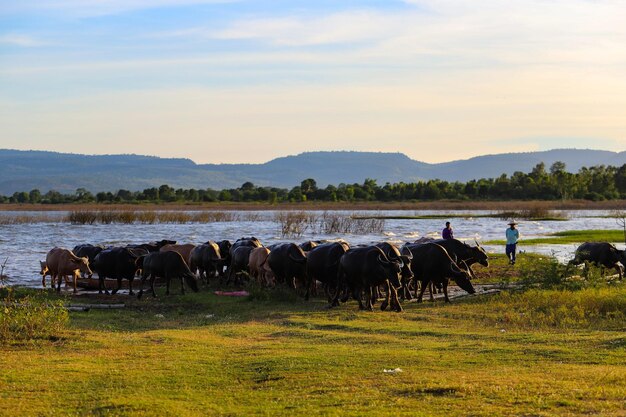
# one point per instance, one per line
(247, 81)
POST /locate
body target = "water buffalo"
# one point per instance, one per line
(403, 257)
(240, 258)
(308, 245)
(464, 254)
(323, 265)
(206, 259)
(432, 263)
(183, 249)
(363, 268)
(62, 262)
(117, 263)
(87, 250)
(152, 246)
(600, 253)
(167, 265)
(259, 268)
(251, 242)
(288, 262)
(224, 246)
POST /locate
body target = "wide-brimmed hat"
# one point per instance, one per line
(512, 222)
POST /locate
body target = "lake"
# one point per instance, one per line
(26, 244)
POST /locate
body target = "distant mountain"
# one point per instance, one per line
(26, 170)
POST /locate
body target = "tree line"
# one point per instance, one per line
(594, 183)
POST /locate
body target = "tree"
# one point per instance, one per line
(35, 196)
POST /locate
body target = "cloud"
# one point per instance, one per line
(25, 41)
(91, 8)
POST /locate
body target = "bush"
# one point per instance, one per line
(30, 318)
(603, 308)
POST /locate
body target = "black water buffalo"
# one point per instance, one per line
(224, 246)
(240, 258)
(600, 253)
(432, 263)
(165, 265)
(117, 263)
(363, 268)
(251, 242)
(464, 254)
(152, 246)
(288, 262)
(88, 251)
(323, 265)
(403, 257)
(206, 259)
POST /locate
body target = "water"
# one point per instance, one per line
(26, 244)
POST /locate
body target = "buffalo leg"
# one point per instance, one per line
(182, 285)
(385, 303)
(167, 284)
(130, 285)
(143, 279)
(76, 275)
(395, 302)
(356, 294)
(119, 286)
(445, 291)
(152, 279)
(422, 290)
(59, 278)
(368, 296)
(101, 285)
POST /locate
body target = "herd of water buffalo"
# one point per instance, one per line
(341, 271)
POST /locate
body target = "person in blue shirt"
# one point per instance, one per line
(446, 233)
(512, 236)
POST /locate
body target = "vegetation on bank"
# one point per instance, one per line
(595, 184)
(570, 236)
(545, 348)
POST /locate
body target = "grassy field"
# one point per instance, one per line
(571, 236)
(539, 352)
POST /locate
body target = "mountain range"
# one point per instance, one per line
(64, 172)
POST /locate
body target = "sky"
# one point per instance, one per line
(221, 81)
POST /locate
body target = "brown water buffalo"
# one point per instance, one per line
(61, 262)
(600, 253)
(167, 265)
(183, 249)
(259, 268)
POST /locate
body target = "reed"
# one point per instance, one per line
(536, 212)
(294, 223)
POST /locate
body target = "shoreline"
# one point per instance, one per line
(307, 206)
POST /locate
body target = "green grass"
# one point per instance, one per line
(518, 353)
(570, 236)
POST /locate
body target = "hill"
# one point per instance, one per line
(26, 170)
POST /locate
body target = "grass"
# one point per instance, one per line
(514, 353)
(570, 236)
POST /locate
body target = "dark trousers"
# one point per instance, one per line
(510, 251)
